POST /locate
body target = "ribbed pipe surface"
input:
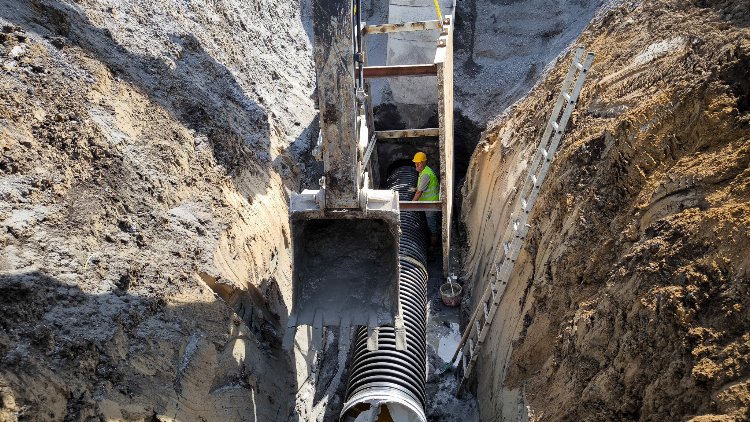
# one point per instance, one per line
(389, 375)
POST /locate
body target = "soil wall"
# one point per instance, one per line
(630, 299)
(146, 154)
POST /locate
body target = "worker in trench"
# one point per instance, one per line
(427, 189)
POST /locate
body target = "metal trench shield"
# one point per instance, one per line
(345, 266)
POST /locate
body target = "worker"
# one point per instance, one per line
(427, 189)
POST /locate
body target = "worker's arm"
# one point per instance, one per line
(422, 184)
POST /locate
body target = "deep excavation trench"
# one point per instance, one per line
(387, 372)
(147, 155)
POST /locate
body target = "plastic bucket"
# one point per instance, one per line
(450, 292)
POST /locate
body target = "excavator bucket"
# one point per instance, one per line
(345, 265)
(345, 236)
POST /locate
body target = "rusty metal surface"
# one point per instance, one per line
(420, 205)
(402, 27)
(400, 70)
(334, 63)
(407, 133)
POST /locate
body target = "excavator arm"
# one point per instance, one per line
(345, 236)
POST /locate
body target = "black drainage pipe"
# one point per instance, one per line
(390, 378)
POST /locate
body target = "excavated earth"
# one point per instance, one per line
(146, 154)
(631, 299)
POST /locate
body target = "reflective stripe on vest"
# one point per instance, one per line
(433, 188)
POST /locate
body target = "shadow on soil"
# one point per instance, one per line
(87, 349)
(190, 361)
(735, 11)
(196, 90)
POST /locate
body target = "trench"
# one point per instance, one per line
(353, 381)
(370, 374)
(148, 152)
(387, 381)
(340, 380)
(434, 335)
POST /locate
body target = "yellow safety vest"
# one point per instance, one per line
(433, 188)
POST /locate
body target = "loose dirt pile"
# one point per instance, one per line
(631, 298)
(503, 48)
(146, 154)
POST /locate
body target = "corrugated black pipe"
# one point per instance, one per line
(388, 376)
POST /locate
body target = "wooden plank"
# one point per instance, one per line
(334, 63)
(407, 133)
(402, 27)
(420, 205)
(400, 70)
(372, 164)
(444, 63)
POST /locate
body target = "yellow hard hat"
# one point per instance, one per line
(420, 157)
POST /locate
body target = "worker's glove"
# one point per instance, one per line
(412, 189)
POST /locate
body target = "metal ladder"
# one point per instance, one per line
(515, 234)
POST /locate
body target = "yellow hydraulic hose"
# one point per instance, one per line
(437, 10)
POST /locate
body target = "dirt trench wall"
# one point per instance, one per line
(630, 299)
(502, 48)
(146, 154)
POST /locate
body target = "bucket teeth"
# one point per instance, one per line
(372, 333)
(372, 338)
(400, 334)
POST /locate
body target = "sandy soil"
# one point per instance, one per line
(630, 300)
(146, 154)
(147, 150)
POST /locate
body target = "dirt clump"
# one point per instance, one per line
(630, 300)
